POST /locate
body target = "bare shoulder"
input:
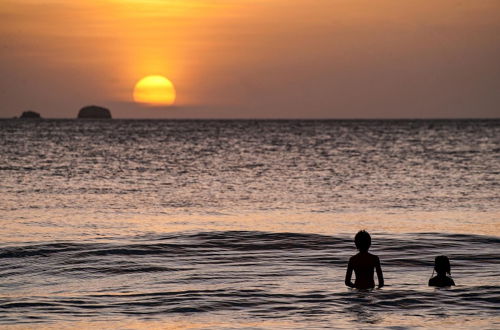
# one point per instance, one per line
(354, 259)
(374, 257)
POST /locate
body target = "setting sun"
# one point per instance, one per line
(154, 91)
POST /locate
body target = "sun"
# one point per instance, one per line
(154, 91)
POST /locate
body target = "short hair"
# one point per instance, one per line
(442, 264)
(363, 240)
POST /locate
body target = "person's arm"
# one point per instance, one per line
(380, 275)
(348, 275)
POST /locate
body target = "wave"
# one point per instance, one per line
(484, 299)
(210, 243)
(259, 274)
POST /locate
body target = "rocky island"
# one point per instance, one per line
(30, 115)
(94, 112)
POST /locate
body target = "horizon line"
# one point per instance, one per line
(258, 118)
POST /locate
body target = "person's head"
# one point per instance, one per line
(363, 240)
(442, 265)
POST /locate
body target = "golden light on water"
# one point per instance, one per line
(155, 90)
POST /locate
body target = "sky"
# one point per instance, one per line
(253, 59)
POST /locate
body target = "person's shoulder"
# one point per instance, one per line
(440, 282)
(373, 257)
(437, 282)
(354, 258)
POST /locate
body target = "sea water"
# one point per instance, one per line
(246, 224)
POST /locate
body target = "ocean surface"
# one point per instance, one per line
(137, 224)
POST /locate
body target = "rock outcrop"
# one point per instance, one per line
(30, 115)
(94, 112)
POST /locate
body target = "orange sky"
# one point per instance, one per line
(253, 59)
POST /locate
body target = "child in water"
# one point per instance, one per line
(363, 264)
(442, 267)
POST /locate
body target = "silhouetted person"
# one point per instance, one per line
(442, 267)
(363, 264)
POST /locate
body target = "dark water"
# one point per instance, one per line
(247, 276)
(231, 224)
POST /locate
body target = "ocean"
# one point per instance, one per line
(225, 224)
